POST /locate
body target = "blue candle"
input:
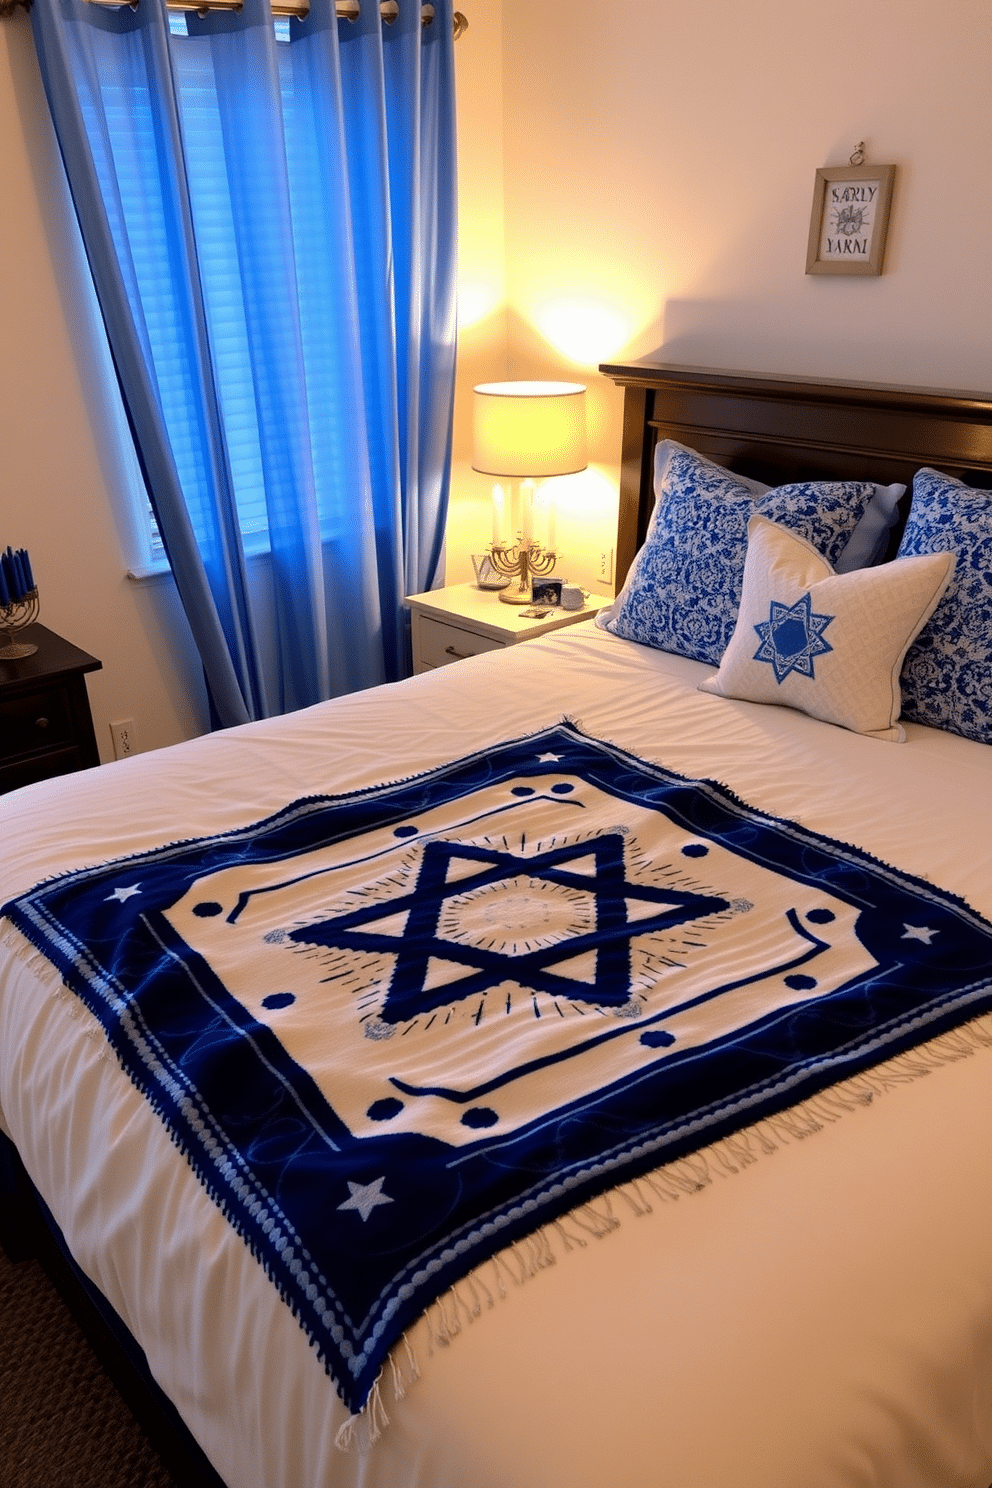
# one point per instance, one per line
(22, 587)
(14, 581)
(29, 576)
(10, 576)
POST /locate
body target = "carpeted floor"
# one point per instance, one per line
(62, 1423)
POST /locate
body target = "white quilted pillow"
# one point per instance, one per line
(829, 644)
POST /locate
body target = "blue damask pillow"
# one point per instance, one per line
(947, 674)
(684, 588)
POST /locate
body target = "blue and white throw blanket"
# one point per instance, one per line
(396, 1030)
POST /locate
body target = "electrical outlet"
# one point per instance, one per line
(124, 739)
(606, 565)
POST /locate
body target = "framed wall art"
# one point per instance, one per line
(850, 218)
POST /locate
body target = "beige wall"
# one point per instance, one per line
(658, 167)
(483, 353)
(635, 179)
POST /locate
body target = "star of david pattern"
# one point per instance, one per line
(792, 637)
(362, 1214)
(453, 871)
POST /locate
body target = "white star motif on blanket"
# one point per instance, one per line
(365, 1197)
(918, 932)
(121, 894)
(791, 637)
(548, 759)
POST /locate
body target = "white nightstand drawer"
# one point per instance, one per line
(449, 624)
(440, 643)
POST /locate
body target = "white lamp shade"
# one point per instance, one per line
(526, 430)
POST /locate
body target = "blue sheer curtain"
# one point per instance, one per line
(270, 224)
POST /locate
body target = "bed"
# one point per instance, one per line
(801, 1294)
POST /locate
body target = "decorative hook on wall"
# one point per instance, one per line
(858, 158)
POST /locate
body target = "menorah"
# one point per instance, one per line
(18, 603)
(14, 617)
(522, 560)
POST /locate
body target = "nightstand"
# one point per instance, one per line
(46, 727)
(462, 620)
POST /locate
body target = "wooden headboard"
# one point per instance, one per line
(779, 429)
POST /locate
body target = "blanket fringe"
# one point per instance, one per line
(442, 1321)
(47, 974)
(22, 950)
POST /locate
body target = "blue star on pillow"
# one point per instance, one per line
(791, 637)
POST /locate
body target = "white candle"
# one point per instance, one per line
(497, 516)
(551, 524)
(527, 510)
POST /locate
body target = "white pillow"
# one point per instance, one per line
(870, 537)
(829, 644)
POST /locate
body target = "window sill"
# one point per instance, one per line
(143, 573)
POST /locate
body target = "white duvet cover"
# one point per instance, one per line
(822, 1317)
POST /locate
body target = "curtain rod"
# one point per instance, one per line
(346, 10)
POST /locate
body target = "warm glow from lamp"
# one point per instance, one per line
(476, 300)
(584, 331)
(527, 431)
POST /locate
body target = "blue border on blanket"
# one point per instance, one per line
(276, 1156)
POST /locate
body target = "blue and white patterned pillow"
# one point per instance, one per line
(684, 588)
(947, 674)
(869, 539)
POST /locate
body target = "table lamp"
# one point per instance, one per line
(522, 432)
